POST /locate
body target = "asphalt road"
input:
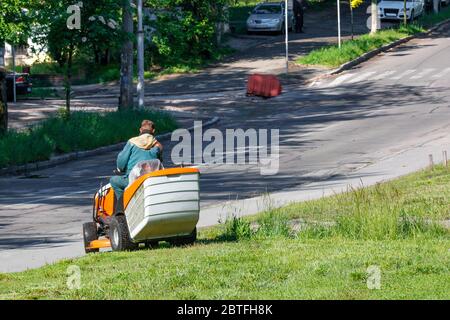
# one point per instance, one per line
(337, 129)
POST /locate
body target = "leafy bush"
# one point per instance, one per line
(82, 131)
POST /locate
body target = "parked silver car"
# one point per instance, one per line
(269, 16)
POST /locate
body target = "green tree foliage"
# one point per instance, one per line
(14, 24)
(185, 30)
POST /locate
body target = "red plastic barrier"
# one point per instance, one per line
(263, 85)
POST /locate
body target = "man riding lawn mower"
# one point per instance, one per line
(147, 203)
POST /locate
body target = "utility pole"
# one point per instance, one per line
(126, 63)
(13, 51)
(3, 99)
(339, 22)
(286, 26)
(140, 56)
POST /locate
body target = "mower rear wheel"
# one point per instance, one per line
(120, 235)
(186, 240)
(89, 234)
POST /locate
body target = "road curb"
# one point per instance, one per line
(57, 160)
(369, 55)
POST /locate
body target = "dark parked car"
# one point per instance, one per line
(23, 84)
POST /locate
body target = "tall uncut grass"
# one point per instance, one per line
(377, 213)
(81, 131)
(413, 208)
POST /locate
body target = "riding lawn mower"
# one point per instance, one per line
(158, 205)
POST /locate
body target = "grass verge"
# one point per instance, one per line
(81, 131)
(333, 56)
(394, 226)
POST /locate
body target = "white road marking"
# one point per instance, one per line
(351, 78)
(442, 74)
(423, 73)
(383, 75)
(340, 80)
(361, 77)
(404, 74)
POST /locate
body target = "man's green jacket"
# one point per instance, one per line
(136, 150)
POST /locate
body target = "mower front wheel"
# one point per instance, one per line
(89, 234)
(120, 235)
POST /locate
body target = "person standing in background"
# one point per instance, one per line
(299, 12)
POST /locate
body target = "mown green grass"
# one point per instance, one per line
(333, 56)
(257, 269)
(263, 257)
(81, 131)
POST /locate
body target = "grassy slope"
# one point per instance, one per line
(235, 261)
(332, 56)
(269, 269)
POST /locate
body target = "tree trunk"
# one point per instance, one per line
(374, 14)
(352, 20)
(3, 103)
(68, 82)
(126, 59)
(106, 57)
(405, 20)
